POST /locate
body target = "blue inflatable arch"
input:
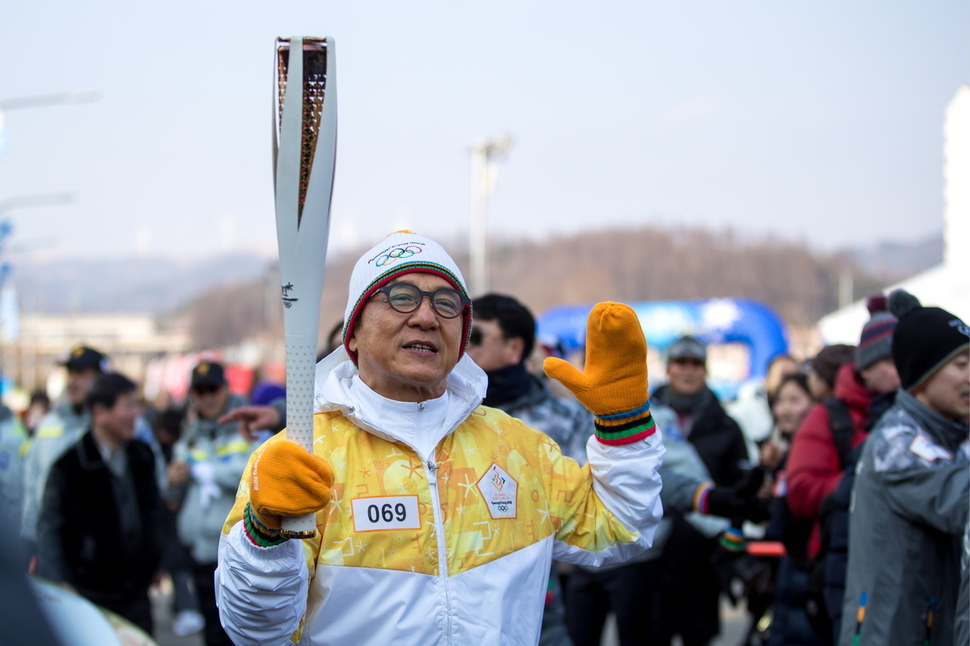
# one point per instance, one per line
(713, 321)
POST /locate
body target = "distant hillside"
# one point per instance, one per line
(230, 298)
(129, 285)
(894, 261)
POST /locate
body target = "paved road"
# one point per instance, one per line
(162, 606)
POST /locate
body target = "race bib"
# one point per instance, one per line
(385, 512)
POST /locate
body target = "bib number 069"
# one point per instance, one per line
(385, 512)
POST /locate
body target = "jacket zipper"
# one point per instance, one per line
(432, 470)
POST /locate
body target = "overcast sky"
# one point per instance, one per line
(818, 121)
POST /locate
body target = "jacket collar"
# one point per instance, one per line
(948, 433)
(339, 388)
(850, 389)
(88, 454)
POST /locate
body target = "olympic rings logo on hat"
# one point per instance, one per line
(401, 253)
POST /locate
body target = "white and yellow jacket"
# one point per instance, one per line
(445, 515)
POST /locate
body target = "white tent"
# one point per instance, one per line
(947, 285)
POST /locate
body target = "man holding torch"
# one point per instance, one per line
(436, 518)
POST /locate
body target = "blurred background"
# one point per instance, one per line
(800, 156)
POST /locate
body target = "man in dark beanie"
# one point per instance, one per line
(912, 490)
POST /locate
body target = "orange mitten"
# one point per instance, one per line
(613, 385)
(285, 481)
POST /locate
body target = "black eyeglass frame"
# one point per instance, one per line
(463, 300)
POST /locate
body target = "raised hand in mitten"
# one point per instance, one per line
(613, 384)
(284, 481)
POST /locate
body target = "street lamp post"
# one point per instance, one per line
(485, 155)
(41, 101)
(7, 296)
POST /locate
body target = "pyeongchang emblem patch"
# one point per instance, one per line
(498, 489)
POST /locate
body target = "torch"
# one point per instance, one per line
(304, 151)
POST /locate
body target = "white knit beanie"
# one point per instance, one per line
(402, 252)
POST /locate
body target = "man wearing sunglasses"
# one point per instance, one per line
(436, 517)
(208, 460)
(502, 338)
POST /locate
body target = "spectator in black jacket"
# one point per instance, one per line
(700, 416)
(689, 587)
(98, 532)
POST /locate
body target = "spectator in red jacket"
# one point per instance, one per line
(814, 464)
(825, 367)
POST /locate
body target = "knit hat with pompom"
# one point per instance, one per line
(877, 334)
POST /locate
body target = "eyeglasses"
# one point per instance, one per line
(406, 298)
(204, 390)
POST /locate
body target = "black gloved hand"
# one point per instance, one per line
(751, 482)
(737, 503)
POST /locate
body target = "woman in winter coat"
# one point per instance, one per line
(790, 624)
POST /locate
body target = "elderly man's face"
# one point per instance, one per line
(687, 376)
(406, 357)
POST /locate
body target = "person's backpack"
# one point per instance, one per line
(833, 525)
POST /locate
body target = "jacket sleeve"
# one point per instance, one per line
(230, 465)
(51, 559)
(813, 465)
(610, 508)
(936, 497)
(678, 489)
(741, 459)
(36, 465)
(261, 591)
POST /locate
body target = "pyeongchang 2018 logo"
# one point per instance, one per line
(397, 253)
(498, 489)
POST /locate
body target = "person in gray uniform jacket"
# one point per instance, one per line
(912, 490)
(208, 460)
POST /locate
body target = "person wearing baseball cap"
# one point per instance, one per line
(911, 496)
(208, 460)
(59, 429)
(436, 516)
